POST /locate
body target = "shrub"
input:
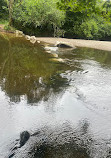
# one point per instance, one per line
(38, 14)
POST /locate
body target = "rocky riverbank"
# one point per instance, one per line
(101, 45)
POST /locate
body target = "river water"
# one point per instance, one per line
(66, 106)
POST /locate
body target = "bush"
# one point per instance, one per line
(9, 28)
(95, 28)
(3, 10)
(37, 15)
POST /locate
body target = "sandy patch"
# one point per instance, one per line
(101, 45)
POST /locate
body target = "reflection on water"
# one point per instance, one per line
(68, 103)
(25, 70)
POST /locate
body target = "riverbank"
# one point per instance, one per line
(6, 28)
(101, 45)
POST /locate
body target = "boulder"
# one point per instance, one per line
(24, 136)
(64, 45)
(27, 37)
(55, 55)
(33, 39)
(19, 33)
(48, 51)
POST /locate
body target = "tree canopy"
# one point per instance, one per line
(89, 19)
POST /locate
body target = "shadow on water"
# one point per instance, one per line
(67, 144)
(62, 142)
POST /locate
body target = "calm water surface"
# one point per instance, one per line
(65, 106)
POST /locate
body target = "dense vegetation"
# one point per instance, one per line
(3, 10)
(88, 19)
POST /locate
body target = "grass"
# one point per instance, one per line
(3, 22)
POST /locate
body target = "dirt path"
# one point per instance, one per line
(1, 26)
(102, 45)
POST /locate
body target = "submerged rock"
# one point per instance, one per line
(58, 60)
(24, 136)
(55, 55)
(51, 48)
(48, 51)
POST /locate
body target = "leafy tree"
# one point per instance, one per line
(106, 10)
(86, 7)
(3, 10)
(85, 19)
(10, 7)
(38, 14)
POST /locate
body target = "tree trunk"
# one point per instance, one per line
(10, 11)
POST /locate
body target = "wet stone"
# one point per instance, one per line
(24, 136)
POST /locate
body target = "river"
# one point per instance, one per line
(65, 106)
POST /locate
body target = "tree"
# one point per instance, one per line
(3, 10)
(106, 10)
(38, 14)
(10, 6)
(83, 6)
(84, 19)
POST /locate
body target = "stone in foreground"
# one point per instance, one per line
(24, 136)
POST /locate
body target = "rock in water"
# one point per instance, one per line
(38, 41)
(33, 39)
(19, 33)
(24, 136)
(64, 45)
(51, 48)
(27, 37)
(58, 60)
(55, 55)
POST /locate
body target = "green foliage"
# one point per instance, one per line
(7, 27)
(38, 14)
(2, 21)
(3, 10)
(86, 7)
(88, 19)
(106, 10)
(95, 28)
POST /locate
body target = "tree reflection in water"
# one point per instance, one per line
(25, 70)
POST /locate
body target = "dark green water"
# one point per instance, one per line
(68, 102)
